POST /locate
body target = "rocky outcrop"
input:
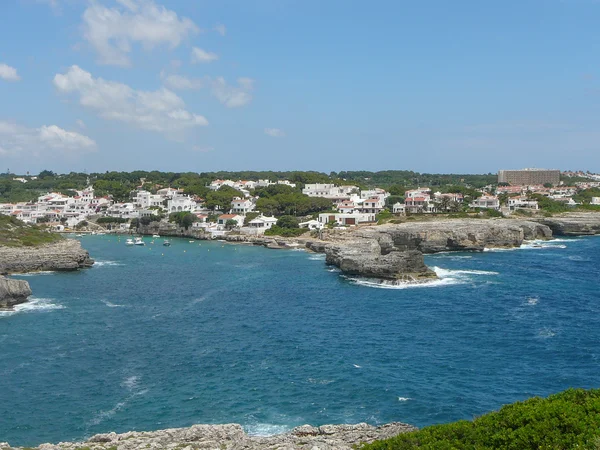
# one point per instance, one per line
(395, 252)
(64, 255)
(378, 258)
(573, 224)
(464, 235)
(13, 292)
(233, 437)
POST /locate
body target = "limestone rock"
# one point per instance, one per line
(233, 437)
(13, 292)
(60, 256)
(573, 224)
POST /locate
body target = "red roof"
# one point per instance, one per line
(227, 216)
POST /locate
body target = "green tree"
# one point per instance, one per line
(230, 224)
(288, 222)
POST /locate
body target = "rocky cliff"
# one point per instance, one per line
(63, 255)
(463, 234)
(395, 252)
(573, 224)
(13, 292)
(233, 437)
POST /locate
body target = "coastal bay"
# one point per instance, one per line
(276, 339)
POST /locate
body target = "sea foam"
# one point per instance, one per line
(35, 304)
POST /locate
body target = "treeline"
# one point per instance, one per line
(120, 184)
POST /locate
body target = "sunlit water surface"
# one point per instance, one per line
(155, 337)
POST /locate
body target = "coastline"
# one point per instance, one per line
(233, 436)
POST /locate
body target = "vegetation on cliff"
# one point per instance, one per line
(570, 419)
(14, 233)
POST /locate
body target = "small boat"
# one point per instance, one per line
(129, 242)
(79, 235)
(156, 235)
(191, 242)
(139, 241)
(167, 243)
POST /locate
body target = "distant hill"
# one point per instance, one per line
(14, 233)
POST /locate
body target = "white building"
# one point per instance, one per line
(486, 201)
(374, 193)
(346, 219)
(223, 218)
(181, 202)
(329, 191)
(522, 203)
(242, 205)
(372, 205)
(262, 223)
(312, 225)
(595, 201)
(145, 199)
(399, 208)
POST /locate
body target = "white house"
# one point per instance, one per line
(312, 225)
(399, 208)
(372, 205)
(145, 199)
(223, 218)
(262, 222)
(486, 201)
(346, 219)
(181, 202)
(329, 191)
(522, 203)
(595, 201)
(242, 205)
(374, 193)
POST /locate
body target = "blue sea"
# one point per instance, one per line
(207, 332)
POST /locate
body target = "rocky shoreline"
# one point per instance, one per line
(64, 255)
(13, 292)
(233, 437)
(394, 252)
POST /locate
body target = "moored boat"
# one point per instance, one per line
(139, 241)
(167, 243)
(129, 241)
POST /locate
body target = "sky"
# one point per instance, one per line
(438, 86)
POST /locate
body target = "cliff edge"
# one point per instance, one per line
(233, 437)
(66, 254)
(13, 292)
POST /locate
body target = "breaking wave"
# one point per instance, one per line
(106, 263)
(35, 304)
(265, 429)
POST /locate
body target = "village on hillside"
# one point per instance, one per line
(250, 207)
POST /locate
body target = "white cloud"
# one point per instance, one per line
(220, 28)
(81, 124)
(161, 110)
(231, 96)
(15, 139)
(180, 83)
(202, 56)
(112, 31)
(8, 73)
(274, 132)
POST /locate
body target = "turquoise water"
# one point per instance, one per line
(155, 337)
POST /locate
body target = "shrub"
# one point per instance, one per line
(288, 222)
(285, 232)
(109, 219)
(570, 419)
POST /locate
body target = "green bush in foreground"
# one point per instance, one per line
(568, 420)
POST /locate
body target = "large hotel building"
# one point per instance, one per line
(528, 177)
